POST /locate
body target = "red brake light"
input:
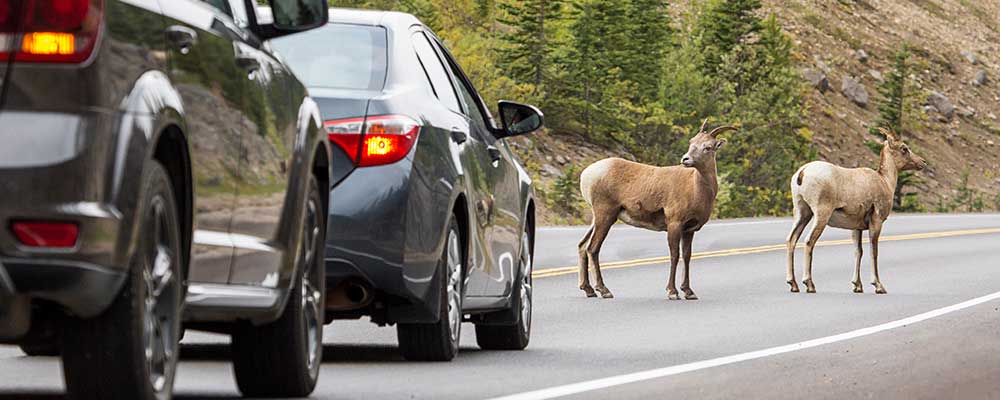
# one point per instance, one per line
(46, 234)
(375, 140)
(59, 31)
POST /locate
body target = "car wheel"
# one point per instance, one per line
(131, 350)
(282, 358)
(514, 336)
(438, 341)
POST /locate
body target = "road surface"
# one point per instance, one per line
(935, 335)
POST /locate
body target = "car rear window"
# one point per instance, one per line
(337, 56)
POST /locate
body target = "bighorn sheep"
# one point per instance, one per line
(855, 199)
(676, 199)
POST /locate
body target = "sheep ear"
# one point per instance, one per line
(719, 143)
(715, 132)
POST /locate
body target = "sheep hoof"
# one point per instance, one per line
(589, 291)
(607, 295)
(690, 296)
(673, 296)
(858, 288)
(795, 286)
(810, 288)
(879, 289)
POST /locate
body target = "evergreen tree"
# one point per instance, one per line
(891, 110)
(722, 25)
(649, 38)
(529, 44)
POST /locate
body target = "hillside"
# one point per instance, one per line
(951, 41)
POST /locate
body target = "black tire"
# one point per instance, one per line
(438, 341)
(105, 357)
(282, 358)
(516, 335)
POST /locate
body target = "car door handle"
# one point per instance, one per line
(494, 153)
(183, 37)
(458, 136)
(247, 62)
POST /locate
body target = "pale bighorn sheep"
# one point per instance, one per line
(676, 199)
(847, 198)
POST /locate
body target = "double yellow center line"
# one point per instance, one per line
(548, 272)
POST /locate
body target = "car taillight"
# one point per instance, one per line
(46, 234)
(52, 31)
(375, 140)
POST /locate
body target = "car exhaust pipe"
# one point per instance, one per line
(348, 295)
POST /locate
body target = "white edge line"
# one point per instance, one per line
(574, 388)
(787, 220)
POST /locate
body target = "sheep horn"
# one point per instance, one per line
(703, 123)
(889, 134)
(715, 132)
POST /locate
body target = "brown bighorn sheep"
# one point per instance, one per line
(847, 198)
(676, 199)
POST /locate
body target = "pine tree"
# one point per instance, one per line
(722, 25)
(649, 38)
(891, 110)
(529, 44)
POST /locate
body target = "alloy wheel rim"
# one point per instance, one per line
(526, 285)
(454, 285)
(160, 303)
(311, 295)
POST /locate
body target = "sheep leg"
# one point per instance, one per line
(673, 240)
(802, 217)
(584, 261)
(873, 233)
(686, 240)
(822, 217)
(602, 225)
(858, 251)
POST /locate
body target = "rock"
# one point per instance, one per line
(967, 112)
(854, 91)
(548, 169)
(861, 55)
(989, 142)
(979, 79)
(817, 79)
(822, 65)
(548, 158)
(970, 57)
(561, 160)
(876, 75)
(992, 116)
(941, 104)
(996, 181)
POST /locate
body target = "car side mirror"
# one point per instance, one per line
(519, 119)
(285, 17)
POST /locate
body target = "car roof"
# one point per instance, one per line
(392, 19)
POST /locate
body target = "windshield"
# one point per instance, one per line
(339, 56)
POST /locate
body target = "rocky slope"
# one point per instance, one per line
(844, 49)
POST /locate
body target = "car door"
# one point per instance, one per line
(500, 202)
(267, 141)
(204, 69)
(477, 276)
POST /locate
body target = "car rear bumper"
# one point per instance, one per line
(367, 243)
(57, 168)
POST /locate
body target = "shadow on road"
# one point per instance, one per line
(332, 353)
(5, 395)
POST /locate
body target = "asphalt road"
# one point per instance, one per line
(747, 336)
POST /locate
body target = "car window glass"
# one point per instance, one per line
(440, 81)
(475, 115)
(339, 56)
(221, 5)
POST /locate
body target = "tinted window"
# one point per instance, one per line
(337, 56)
(440, 80)
(222, 5)
(473, 105)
